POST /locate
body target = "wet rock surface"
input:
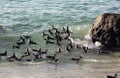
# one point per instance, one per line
(106, 29)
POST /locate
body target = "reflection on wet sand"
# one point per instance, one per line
(46, 70)
(86, 68)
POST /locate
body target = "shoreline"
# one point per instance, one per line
(68, 70)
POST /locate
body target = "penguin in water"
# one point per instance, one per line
(30, 41)
(3, 54)
(115, 76)
(27, 53)
(16, 46)
(76, 58)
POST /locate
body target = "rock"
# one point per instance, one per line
(106, 29)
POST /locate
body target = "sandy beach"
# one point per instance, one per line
(89, 67)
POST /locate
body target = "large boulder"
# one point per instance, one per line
(106, 29)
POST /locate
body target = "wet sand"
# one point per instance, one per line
(89, 67)
(60, 71)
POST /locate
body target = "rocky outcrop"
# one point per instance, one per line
(106, 29)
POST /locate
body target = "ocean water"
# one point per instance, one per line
(32, 17)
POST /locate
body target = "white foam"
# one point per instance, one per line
(34, 63)
(88, 37)
(75, 41)
(87, 43)
(100, 61)
(91, 60)
(98, 44)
